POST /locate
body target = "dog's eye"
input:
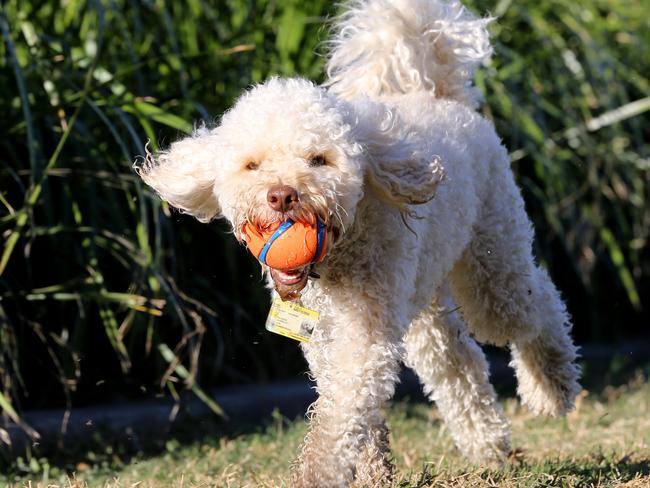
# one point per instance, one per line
(318, 160)
(252, 165)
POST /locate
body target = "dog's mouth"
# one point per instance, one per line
(290, 283)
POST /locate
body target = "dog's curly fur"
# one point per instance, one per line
(432, 246)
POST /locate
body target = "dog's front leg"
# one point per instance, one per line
(354, 357)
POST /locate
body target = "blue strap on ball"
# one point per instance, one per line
(279, 231)
(320, 239)
(321, 229)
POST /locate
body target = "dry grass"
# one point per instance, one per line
(604, 443)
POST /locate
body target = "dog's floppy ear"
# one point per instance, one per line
(397, 170)
(184, 175)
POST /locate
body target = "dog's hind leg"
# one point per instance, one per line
(454, 372)
(507, 299)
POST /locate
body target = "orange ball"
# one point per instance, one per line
(288, 245)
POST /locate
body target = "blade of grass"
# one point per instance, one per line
(7, 408)
(618, 259)
(610, 117)
(159, 115)
(171, 358)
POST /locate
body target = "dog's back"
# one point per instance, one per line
(387, 47)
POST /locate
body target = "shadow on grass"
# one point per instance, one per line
(589, 471)
(107, 451)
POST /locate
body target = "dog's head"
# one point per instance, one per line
(290, 150)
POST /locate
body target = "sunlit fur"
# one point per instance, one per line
(434, 248)
(405, 46)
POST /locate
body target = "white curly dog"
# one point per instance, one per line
(432, 245)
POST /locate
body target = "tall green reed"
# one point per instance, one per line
(91, 261)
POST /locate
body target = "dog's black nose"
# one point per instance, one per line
(282, 198)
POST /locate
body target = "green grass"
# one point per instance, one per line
(604, 442)
(101, 284)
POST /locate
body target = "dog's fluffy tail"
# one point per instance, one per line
(382, 47)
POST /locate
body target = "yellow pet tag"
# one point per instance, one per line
(291, 320)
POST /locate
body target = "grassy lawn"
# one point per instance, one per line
(605, 442)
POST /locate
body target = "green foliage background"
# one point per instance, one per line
(106, 293)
